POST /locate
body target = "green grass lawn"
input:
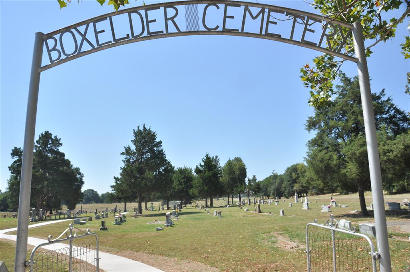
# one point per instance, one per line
(7, 251)
(7, 223)
(239, 241)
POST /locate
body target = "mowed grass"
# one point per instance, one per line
(239, 241)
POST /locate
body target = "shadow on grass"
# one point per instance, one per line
(163, 214)
(402, 214)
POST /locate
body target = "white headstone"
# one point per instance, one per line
(281, 212)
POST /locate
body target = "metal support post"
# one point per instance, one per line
(27, 163)
(372, 151)
(308, 249)
(333, 250)
(97, 259)
(70, 253)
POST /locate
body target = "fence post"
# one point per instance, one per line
(70, 254)
(97, 261)
(307, 248)
(334, 250)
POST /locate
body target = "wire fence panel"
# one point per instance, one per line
(74, 253)
(331, 249)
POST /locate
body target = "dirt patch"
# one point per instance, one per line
(285, 243)
(400, 238)
(168, 264)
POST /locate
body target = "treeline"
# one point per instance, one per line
(336, 162)
(147, 175)
(92, 196)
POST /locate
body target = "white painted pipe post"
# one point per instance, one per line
(27, 163)
(372, 150)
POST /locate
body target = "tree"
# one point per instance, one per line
(183, 182)
(165, 183)
(209, 173)
(253, 186)
(395, 161)
(91, 196)
(293, 180)
(229, 178)
(54, 180)
(107, 197)
(233, 177)
(122, 192)
(379, 20)
(4, 206)
(240, 177)
(339, 144)
(145, 165)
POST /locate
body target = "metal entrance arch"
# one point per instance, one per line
(232, 18)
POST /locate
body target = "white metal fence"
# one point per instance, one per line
(68, 252)
(329, 248)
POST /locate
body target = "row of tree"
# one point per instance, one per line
(336, 161)
(92, 196)
(147, 175)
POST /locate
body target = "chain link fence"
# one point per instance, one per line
(70, 252)
(330, 248)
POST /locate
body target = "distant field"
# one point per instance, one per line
(239, 241)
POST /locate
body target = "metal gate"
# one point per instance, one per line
(329, 248)
(68, 252)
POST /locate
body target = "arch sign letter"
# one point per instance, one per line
(208, 17)
(211, 18)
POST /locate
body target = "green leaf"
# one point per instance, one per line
(101, 2)
(62, 3)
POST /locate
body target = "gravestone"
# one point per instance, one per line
(97, 216)
(290, 205)
(393, 206)
(219, 214)
(33, 215)
(333, 203)
(305, 206)
(296, 197)
(168, 221)
(117, 220)
(344, 224)
(282, 212)
(78, 221)
(103, 226)
(325, 208)
(368, 229)
(249, 201)
(215, 213)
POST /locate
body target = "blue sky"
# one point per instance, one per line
(228, 96)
